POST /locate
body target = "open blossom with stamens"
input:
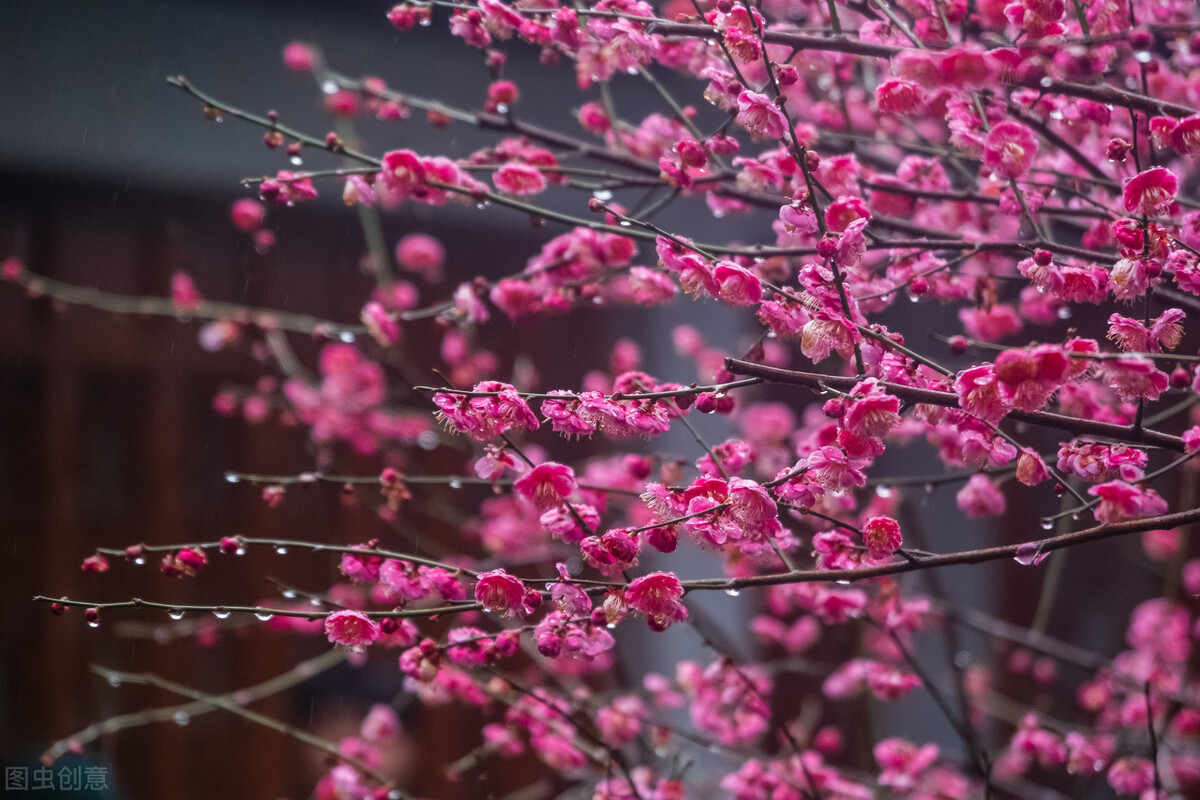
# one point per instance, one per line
(1009, 150)
(1164, 332)
(834, 470)
(657, 596)
(352, 629)
(758, 115)
(1151, 191)
(979, 393)
(881, 536)
(1132, 377)
(871, 411)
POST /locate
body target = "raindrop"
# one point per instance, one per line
(427, 440)
(1064, 312)
(281, 550)
(502, 108)
(1029, 553)
(314, 601)
(220, 612)
(241, 551)
(455, 483)
(329, 87)
(289, 594)
(962, 659)
(883, 491)
(232, 477)
(262, 614)
(1076, 516)
(632, 70)
(603, 195)
(913, 298)
(140, 560)
(424, 22)
(181, 718)
(114, 681)
(1047, 523)
(1046, 82)
(482, 204)
(296, 161)
(611, 626)
(175, 613)
(843, 582)
(624, 223)
(1143, 56)
(929, 488)
(347, 337)
(733, 592)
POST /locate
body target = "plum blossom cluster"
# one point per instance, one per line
(1023, 171)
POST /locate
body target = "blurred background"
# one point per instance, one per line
(112, 179)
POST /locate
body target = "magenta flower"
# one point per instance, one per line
(519, 179)
(881, 536)
(351, 629)
(1009, 150)
(899, 96)
(423, 254)
(871, 412)
(1131, 776)
(758, 115)
(547, 485)
(978, 390)
(501, 593)
(1151, 191)
(980, 498)
(657, 596)
(739, 286)
(1120, 501)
